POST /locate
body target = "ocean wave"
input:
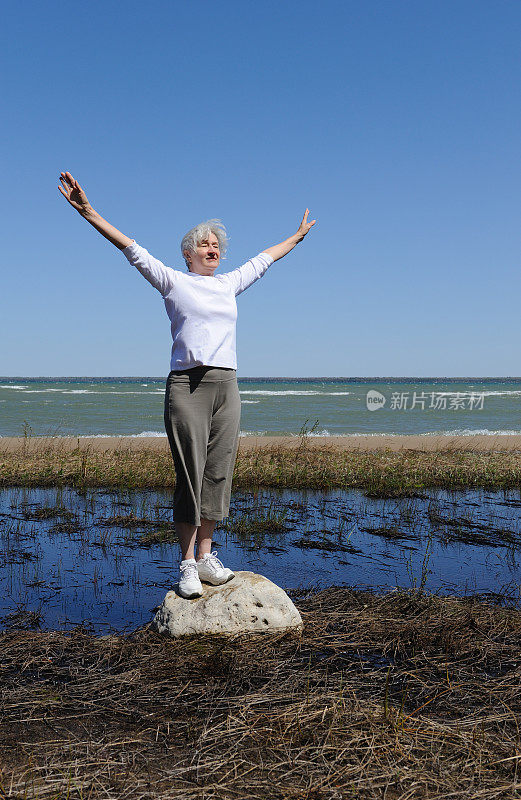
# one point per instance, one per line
(473, 392)
(291, 392)
(324, 433)
(142, 435)
(87, 391)
(148, 434)
(487, 394)
(471, 432)
(42, 391)
(250, 401)
(12, 386)
(91, 391)
(456, 432)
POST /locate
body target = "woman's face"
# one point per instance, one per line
(205, 260)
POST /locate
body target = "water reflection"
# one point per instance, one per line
(105, 559)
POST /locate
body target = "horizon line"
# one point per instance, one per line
(266, 377)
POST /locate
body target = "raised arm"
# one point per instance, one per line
(282, 249)
(77, 198)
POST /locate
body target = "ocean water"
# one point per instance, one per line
(270, 406)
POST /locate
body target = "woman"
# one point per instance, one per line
(202, 402)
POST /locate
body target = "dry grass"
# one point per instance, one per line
(398, 696)
(378, 473)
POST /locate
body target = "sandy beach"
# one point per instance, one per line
(425, 443)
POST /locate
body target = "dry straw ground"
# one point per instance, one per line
(398, 696)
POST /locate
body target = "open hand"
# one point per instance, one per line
(73, 192)
(305, 226)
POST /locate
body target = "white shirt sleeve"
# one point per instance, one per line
(243, 277)
(162, 278)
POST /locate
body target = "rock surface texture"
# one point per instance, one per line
(249, 602)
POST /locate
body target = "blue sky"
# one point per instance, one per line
(397, 124)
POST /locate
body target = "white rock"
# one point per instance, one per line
(249, 602)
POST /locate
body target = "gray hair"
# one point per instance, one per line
(196, 235)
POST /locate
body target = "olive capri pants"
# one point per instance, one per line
(202, 421)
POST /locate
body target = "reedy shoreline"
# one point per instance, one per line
(379, 473)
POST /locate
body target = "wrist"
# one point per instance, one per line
(87, 213)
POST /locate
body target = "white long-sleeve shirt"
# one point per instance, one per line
(202, 308)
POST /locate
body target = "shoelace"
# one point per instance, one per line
(214, 561)
(188, 571)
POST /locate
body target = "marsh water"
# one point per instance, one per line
(105, 559)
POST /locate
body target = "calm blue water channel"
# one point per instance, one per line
(72, 559)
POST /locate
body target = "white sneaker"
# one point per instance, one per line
(189, 583)
(212, 571)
